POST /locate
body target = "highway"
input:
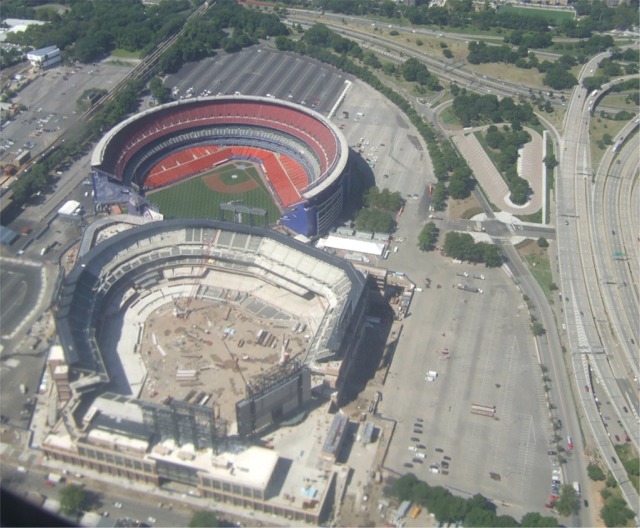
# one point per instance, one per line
(451, 70)
(584, 313)
(615, 248)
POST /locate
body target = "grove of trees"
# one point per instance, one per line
(506, 145)
(383, 199)
(473, 109)
(461, 246)
(380, 208)
(225, 25)
(449, 508)
(90, 29)
(615, 512)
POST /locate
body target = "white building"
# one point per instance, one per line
(45, 57)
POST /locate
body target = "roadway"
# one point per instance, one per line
(581, 300)
(615, 198)
(451, 70)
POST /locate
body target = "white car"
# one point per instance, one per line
(413, 448)
(117, 505)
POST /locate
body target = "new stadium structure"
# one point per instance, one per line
(142, 402)
(302, 156)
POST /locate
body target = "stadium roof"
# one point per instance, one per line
(370, 247)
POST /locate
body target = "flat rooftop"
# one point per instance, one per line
(251, 467)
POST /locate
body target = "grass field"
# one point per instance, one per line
(192, 198)
(598, 127)
(124, 54)
(538, 261)
(555, 16)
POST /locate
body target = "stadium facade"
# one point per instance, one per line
(107, 427)
(304, 156)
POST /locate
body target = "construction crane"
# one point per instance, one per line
(182, 312)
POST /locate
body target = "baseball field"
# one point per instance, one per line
(200, 196)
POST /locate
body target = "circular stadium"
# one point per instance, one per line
(233, 158)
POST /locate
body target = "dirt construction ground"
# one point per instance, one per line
(218, 342)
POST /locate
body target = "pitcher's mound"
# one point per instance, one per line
(215, 183)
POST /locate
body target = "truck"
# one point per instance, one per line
(576, 486)
(468, 288)
(415, 511)
(569, 443)
(52, 479)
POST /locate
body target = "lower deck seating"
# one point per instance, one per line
(286, 177)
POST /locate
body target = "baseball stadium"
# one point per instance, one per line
(181, 338)
(254, 160)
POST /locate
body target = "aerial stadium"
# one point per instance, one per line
(156, 315)
(300, 160)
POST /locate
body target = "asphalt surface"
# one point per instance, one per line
(262, 71)
(19, 289)
(51, 101)
(491, 360)
(584, 313)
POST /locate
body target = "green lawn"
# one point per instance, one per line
(555, 16)
(540, 268)
(193, 199)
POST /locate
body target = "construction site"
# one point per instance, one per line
(209, 352)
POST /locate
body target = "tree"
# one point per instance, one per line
(439, 196)
(567, 503)
(595, 472)
(535, 519)
(428, 237)
(203, 519)
(550, 161)
(492, 256)
(537, 329)
(543, 243)
(72, 499)
(159, 90)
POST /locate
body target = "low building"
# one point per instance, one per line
(335, 437)
(113, 438)
(70, 209)
(44, 58)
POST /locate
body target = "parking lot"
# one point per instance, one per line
(51, 105)
(460, 348)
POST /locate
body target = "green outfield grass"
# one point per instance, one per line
(194, 199)
(553, 15)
